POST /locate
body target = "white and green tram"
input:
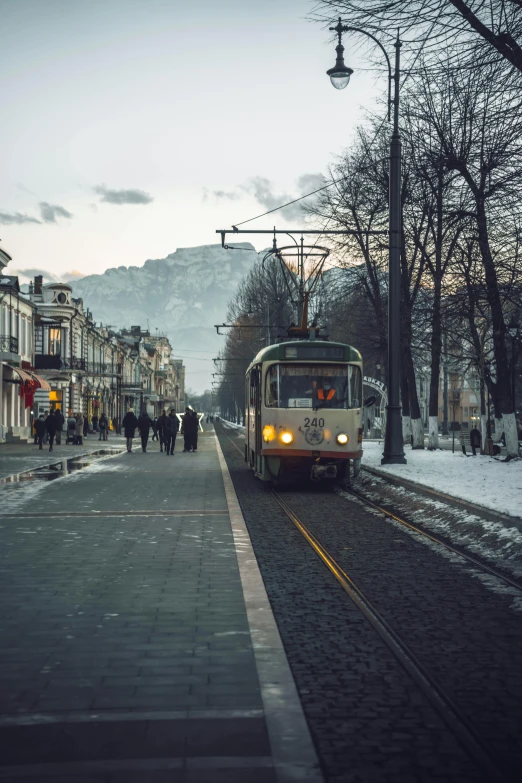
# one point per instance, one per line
(304, 412)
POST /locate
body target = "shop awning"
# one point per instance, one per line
(42, 383)
(23, 374)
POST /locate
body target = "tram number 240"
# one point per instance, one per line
(313, 422)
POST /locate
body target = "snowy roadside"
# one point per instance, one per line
(232, 425)
(488, 482)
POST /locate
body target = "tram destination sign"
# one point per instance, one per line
(314, 352)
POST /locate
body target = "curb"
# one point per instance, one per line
(433, 494)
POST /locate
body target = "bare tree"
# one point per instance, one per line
(480, 30)
(478, 122)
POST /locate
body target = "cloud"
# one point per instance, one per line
(33, 272)
(48, 277)
(16, 218)
(132, 196)
(263, 191)
(50, 212)
(225, 194)
(70, 277)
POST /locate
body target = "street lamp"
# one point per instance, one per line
(340, 76)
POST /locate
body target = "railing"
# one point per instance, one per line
(92, 368)
(46, 361)
(8, 344)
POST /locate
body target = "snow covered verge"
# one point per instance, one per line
(233, 425)
(482, 480)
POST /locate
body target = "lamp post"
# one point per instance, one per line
(340, 76)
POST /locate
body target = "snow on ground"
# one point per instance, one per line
(233, 425)
(483, 480)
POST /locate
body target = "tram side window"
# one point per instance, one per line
(272, 387)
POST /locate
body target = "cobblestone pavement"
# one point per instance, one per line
(368, 719)
(126, 654)
(497, 543)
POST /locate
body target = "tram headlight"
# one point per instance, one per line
(286, 438)
(268, 433)
(342, 439)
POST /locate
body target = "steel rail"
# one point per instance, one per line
(491, 570)
(438, 698)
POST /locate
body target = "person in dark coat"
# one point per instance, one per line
(95, 423)
(186, 429)
(60, 420)
(475, 439)
(51, 425)
(129, 424)
(171, 430)
(40, 430)
(161, 429)
(195, 431)
(104, 426)
(154, 426)
(144, 424)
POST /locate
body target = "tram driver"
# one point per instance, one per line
(325, 393)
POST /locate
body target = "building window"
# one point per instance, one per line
(54, 342)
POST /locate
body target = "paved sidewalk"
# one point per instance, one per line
(18, 457)
(126, 646)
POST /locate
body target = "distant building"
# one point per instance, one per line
(18, 382)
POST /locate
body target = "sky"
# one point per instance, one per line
(133, 127)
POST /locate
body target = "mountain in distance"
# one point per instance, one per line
(182, 295)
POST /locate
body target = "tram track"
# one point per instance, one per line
(461, 727)
(474, 561)
(432, 690)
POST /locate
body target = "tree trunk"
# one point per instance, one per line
(503, 375)
(436, 351)
(405, 401)
(417, 427)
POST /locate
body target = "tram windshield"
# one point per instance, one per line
(313, 386)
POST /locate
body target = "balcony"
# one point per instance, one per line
(47, 361)
(8, 344)
(94, 369)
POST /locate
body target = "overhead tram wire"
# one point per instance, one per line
(366, 152)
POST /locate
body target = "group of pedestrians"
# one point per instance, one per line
(48, 428)
(165, 428)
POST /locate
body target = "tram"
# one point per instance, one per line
(304, 412)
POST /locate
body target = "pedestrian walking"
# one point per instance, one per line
(46, 434)
(144, 423)
(71, 429)
(129, 424)
(95, 423)
(185, 429)
(475, 440)
(60, 420)
(51, 425)
(171, 430)
(154, 426)
(85, 427)
(80, 424)
(40, 430)
(104, 426)
(194, 431)
(161, 429)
